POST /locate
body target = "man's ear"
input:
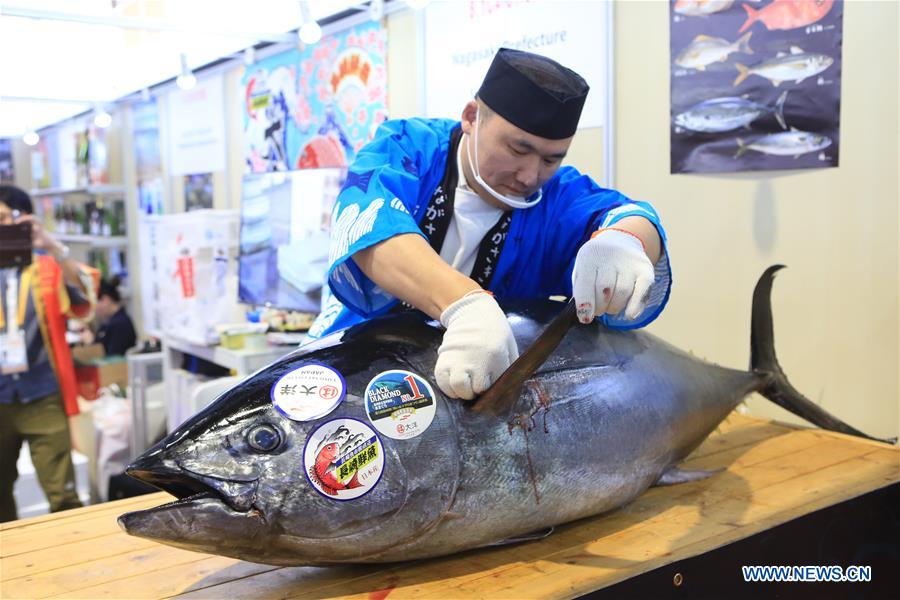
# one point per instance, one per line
(469, 114)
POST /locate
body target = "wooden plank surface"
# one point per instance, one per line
(772, 473)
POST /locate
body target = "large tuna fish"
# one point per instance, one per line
(344, 451)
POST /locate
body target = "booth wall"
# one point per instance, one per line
(836, 306)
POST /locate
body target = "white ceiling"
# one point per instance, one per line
(53, 67)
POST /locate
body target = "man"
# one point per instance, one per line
(116, 331)
(444, 215)
(37, 381)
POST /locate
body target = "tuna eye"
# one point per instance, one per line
(264, 438)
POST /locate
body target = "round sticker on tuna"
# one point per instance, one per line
(400, 404)
(308, 392)
(343, 459)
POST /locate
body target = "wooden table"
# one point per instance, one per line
(774, 473)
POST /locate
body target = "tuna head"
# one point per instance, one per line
(254, 484)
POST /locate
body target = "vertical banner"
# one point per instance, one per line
(7, 174)
(315, 108)
(145, 116)
(197, 128)
(755, 85)
(571, 32)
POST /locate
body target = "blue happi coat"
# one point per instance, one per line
(387, 193)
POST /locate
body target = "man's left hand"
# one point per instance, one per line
(612, 273)
(40, 239)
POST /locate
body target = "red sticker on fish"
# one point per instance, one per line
(343, 459)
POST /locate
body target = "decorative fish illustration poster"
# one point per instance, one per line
(755, 84)
(316, 107)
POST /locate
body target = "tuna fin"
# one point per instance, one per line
(752, 16)
(776, 386)
(744, 43)
(744, 73)
(742, 148)
(500, 398)
(779, 109)
(674, 475)
(528, 537)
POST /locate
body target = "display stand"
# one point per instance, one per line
(776, 478)
(180, 384)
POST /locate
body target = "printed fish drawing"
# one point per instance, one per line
(794, 66)
(324, 470)
(706, 50)
(788, 143)
(592, 422)
(787, 14)
(701, 8)
(725, 114)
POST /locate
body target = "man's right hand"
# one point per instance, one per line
(478, 346)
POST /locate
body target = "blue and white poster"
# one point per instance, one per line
(316, 107)
(756, 85)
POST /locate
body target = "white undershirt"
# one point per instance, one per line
(472, 219)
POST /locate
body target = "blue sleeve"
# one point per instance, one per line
(582, 208)
(386, 184)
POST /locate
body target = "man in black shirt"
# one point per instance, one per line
(116, 331)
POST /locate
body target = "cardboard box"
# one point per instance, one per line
(94, 371)
(86, 355)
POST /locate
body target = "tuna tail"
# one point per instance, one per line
(776, 386)
(779, 109)
(744, 43)
(752, 17)
(744, 74)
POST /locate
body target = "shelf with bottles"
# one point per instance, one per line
(95, 221)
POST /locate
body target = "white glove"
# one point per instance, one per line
(478, 346)
(612, 272)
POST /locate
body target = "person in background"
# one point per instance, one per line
(37, 384)
(443, 215)
(116, 331)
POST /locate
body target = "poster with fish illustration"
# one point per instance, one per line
(316, 107)
(755, 84)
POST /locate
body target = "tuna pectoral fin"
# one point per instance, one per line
(775, 385)
(528, 537)
(674, 475)
(503, 394)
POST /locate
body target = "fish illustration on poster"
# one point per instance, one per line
(316, 107)
(755, 84)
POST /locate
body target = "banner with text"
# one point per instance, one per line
(461, 39)
(197, 128)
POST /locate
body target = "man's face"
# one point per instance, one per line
(6, 215)
(105, 308)
(512, 161)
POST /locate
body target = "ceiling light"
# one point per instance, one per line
(102, 119)
(417, 4)
(31, 138)
(310, 32)
(186, 79)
